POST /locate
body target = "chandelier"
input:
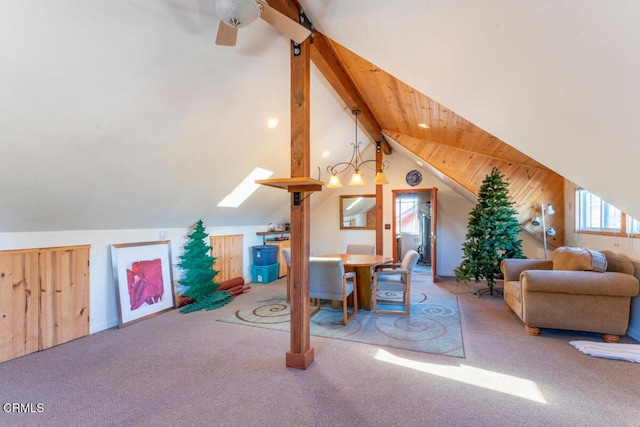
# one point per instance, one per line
(356, 163)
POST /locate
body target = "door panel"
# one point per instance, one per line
(228, 253)
(417, 218)
(44, 298)
(434, 233)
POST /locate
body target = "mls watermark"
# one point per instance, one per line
(22, 408)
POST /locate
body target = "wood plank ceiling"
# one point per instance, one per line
(451, 144)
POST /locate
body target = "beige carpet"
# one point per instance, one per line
(190, 369)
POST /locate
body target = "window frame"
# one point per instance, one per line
(625, 220)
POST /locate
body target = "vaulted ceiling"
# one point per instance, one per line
(438, 136)
(125, 114)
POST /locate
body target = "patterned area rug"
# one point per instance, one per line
(432, 327)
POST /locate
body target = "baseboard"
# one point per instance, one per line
(102, 326)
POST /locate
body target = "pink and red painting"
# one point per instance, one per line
(143, 278)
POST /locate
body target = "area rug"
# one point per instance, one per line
(608, 350)
(432, 327)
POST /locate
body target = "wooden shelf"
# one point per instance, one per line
(271, 233)
(293, 184)
(264, 235)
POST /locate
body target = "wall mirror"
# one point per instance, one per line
(357, 212)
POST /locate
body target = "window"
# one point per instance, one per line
(633, 226)
(407, 219)
(595, 214)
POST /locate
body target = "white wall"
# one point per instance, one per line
(102, 293)
(619, 244)
(453, 211)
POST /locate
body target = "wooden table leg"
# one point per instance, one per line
(363, 276)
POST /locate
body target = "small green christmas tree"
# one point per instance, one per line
(492, 233)
(197, 265)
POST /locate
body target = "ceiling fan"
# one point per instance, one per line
(235, 14)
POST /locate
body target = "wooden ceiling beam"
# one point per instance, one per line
(399, 136)
(326, 60)
(286, 7)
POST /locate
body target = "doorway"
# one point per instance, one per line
(414, 225)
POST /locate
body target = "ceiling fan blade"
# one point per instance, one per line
(226, 35)
(284, 24)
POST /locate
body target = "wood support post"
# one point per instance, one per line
(301, 354)
(379, 216)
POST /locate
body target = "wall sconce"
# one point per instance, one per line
(537, 221)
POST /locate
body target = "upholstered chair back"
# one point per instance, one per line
(409, 262)
(287, 257)
(326, 277)
(361, 249)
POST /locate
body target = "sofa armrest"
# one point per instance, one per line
(512, 267)
(579, 282)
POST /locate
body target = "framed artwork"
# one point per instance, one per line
(144, 281)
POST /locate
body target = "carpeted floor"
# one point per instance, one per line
(432, 327)
(190, 369)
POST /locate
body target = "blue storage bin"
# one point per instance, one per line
(264, 254)
(264, 273)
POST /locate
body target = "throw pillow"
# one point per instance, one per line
(577, 259)
(618, 263)
(598, 261)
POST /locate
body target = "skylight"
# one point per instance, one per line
(246, 188)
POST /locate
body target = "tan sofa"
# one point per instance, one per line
(544, 294)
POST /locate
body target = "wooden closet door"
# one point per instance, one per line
(44, 298)
(19, 304)
(228, 253)
(64, 295)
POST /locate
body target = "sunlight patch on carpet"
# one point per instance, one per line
(514, 386)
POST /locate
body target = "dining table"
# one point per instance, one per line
(361, 264)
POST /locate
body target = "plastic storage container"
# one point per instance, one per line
(264, 273)
(264, 254)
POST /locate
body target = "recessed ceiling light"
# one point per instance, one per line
(272, 123)
(423, 125)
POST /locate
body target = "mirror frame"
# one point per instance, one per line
(342, 210)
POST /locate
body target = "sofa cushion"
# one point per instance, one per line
(618, 263)
(577, 259)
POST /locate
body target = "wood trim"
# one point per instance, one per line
(293, 184)
(379, 211)
(53, 248)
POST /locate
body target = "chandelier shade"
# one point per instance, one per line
(356, 162)
(356, 179)
(334, 182)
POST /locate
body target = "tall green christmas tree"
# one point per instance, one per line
(492, 233)
(197, 265)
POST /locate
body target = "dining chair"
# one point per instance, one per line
(394, 278)
(328, 280)
(286, 254)
(361, 249)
